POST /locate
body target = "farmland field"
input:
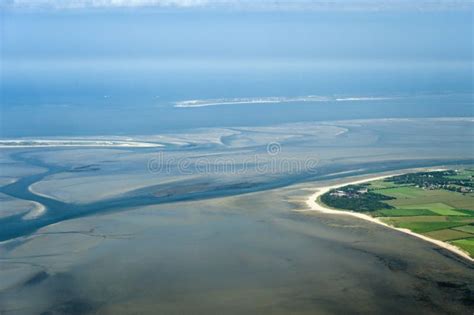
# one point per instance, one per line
(437, 213)
(466, 228)
(466, 244)
(404, 212)
(439, 205)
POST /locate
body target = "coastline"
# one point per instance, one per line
(36, 212)
(314, 204)
(44, 143)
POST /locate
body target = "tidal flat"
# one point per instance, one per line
(200, 227)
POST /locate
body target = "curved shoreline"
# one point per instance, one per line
(37, 211)
(314, 204)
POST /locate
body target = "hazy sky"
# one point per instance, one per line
(197, 29)
(253, 4)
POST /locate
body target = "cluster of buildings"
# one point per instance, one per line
(461, 189)
(352, 193)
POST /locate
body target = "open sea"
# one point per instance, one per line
(131, 97)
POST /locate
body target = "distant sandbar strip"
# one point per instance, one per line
(23, 143)
(271, 100)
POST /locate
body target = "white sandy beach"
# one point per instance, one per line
(37, 211)
(314, 204)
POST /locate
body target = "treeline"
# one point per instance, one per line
(439, 179)
(365, 202)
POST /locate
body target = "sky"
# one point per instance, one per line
(196, 29)
(250, 4)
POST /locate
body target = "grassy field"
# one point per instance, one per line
(466, 244)
(403, 212)
(437, 207)
(463, 174)
(466, 228)
(438, 213)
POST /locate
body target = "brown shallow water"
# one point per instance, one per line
(232, 255)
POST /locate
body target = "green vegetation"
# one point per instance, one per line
(448, 180)
(438, 204)
(438, 208)
(466, 228)
(463, 174)
(448, 234)
(422, 227)
(381, 184)
(435, 206)
(356, 197)
(402, 192)
(403, 212)
(466, 244)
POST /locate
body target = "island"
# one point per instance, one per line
(434, 205)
